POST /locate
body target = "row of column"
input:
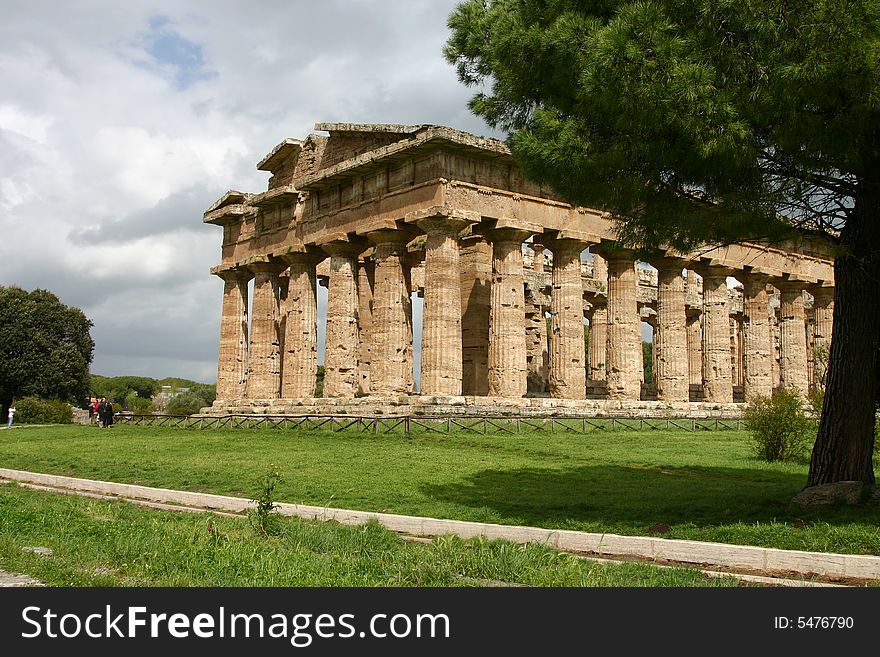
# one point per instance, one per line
(369, 325)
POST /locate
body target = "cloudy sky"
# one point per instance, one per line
(121, 122)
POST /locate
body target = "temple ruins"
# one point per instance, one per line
(510, 274)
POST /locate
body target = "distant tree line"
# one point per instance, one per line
(135, 393)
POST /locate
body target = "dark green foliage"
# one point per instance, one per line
(137, 404)
(264, 516)
(45, 347)
(651, 108)
(187, 403)
(33, 410)
(780, 429)
(119, 388)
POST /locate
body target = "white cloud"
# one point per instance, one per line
(121, 122)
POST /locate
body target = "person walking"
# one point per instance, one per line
(11, 415)
(95, 415)
(108, 414)
(101, 410)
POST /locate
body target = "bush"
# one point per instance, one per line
(779, 427)
(33, 410)
(186, 403)
(137, 404)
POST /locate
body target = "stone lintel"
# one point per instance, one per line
(280, 153)
(513, 224)
(276, 196)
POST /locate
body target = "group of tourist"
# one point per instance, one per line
(101, 412)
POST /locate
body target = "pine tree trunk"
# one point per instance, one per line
(845, 441)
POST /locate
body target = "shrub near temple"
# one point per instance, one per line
(780, 428)
(33, 410)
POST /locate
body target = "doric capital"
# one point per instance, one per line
(508, 235)
(346, 246)
(266, 265)
(233, 274)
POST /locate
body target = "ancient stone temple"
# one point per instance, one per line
(510, 274)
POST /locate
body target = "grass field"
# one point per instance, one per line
(703, 485)
(99, 543)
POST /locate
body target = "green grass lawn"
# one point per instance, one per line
(704, 485)
(99, 543)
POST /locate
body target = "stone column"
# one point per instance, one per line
(264, 377)
(507, 340)
(341, 352)
(823, 324)
(599, 320)
(232, 361)
(793, 339)
(441, 369)
(623, 346)
(695, 346)
(366, 280)
(299, 365)
(758, 347)
(598, 338)
(391, 329)
(568, 370)
(476, 284)
(717, 384)
(538, 260)
(670, 336)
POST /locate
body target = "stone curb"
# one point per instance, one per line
(700, 553)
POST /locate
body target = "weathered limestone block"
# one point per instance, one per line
(758, 348)
(264, 376)
(366, 280)
(441, 368)
(476, 283)
(793, 339)
(567, 349)
(717, 384)
(670, 336)
(232, 363)
(299, 364)
(341, 352)
(507, 341)
(847, 492)
(391, 328)
(623, 348)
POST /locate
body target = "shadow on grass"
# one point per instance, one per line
(637, 498)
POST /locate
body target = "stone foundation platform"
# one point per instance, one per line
(417, 405)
